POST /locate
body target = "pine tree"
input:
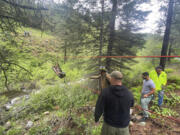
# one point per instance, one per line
(12, 15)
(83, 22)
(167, 33)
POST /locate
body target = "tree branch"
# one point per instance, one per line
(22, 68)
(23, 6)
(6, 79)
(7, 17)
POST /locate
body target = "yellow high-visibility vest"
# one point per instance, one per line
(158, 80)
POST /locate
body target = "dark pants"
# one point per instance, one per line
(109, 130)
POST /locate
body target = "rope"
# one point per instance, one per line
(150, 111)
(77, 57)
(139, 107)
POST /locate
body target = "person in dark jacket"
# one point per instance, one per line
(114, 103)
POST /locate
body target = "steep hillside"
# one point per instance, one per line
(44, 104)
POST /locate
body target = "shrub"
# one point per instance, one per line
(2, 130)
(174, 79)
(178, 87)
(3, 100)
(170, 88)
(169, 70)
(169, 112)
(40, 130)
(96, 130)
(61, 131)
(173, 84)
(64, 96)
(137, 93)
(172, 100)
(164, 112)
(14, 131)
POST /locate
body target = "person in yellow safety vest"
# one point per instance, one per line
(159, 77)
(104, 78)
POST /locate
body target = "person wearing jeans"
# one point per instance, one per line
(159, 77)
(160, 97)
(146, 94)
(144, 105)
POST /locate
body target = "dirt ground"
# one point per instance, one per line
(158, 126)
(155, 127)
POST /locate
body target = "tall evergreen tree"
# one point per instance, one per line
(126, 39)
(174, 48)
(83, 22)
(112, 33)
(167, 33)
(12, 15)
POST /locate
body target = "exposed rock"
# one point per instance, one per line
(7, 125)
(26, 97)
(131, 111)
(93, 109)
(136, 117)
(7, 106)
(36, 118)
(15, 100)
(46, 113)
(29, 125)
(131, 123)
(142, 124)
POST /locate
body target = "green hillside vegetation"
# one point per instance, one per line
(80, 36)
(66, 106)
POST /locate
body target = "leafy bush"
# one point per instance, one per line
(169, 70)
(40, 130)
(169, 112)
(62, 95)
(172, 100)
(174, 79)
(96, 130)
(14, 131)
(137, 93)
(2, 130)
(170, 88)
(3, 100)
(61, 131)
(164, 112)
(178, 87)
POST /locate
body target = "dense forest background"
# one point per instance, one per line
(80, 36)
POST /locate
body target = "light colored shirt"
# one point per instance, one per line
(148, 85)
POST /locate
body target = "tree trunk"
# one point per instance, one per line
(112, 34)
(167, 34)
(65, 53)
(6, 80)
(170, 50)
(101, 31)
